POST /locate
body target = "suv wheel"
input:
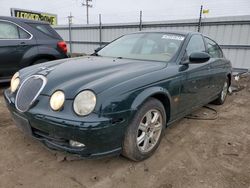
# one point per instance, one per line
(39, 61)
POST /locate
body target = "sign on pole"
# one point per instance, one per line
(205, 11)
(32, 15)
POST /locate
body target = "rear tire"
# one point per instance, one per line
(39, 61)
(144, 133)
(223, 94)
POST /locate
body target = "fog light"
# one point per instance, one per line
(76, 144)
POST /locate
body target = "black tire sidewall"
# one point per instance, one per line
(222, 101)
(130, 149)
(218, 101)
(39, 61)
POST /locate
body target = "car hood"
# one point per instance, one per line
(93, 73)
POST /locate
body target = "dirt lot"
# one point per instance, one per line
(193, 153)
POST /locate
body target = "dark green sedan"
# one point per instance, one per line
(120, 99)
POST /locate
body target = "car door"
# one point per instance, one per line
(195, 77)
(14, 42)
(217, 66)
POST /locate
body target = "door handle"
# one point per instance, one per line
(22, 43)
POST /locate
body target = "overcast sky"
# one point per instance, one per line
(128, 10)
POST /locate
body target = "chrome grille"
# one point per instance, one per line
(29, 91)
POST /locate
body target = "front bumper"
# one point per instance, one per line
(101, 136)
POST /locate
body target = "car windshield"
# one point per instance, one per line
(144, 46)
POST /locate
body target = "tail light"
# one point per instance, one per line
(62, 46)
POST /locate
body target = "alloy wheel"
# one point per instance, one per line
(149, 130)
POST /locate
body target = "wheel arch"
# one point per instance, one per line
(45, 56)
(158, 93)
(164, 99)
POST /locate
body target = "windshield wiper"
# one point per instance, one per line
(95, 54)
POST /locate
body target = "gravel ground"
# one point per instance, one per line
(193, 153)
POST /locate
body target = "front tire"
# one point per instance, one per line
(144, 134)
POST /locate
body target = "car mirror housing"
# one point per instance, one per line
(199, 57)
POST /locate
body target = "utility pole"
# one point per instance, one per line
(100, 29)
(70, 32)
(199, 24)
(87, 5)
(140, 26)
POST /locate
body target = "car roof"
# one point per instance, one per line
(13, 19)
(170, 31)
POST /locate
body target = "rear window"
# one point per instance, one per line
(46, 29)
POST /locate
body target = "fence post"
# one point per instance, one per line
(100, 29)
(140, 25)
(70, 33)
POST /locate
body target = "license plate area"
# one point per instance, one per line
(22, 123)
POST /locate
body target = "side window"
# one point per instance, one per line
(46, 29)
(12, 31)
(213, 48)
(23, 34)
(8, 31)
(196, 44)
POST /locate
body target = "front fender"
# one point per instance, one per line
(144, 95)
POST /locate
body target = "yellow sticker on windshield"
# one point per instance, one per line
(173, 37)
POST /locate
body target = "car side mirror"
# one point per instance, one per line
(199, 57)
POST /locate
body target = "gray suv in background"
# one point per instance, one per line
(27, 42)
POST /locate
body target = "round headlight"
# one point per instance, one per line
(14, 83)
(84, 103)
(57, 100)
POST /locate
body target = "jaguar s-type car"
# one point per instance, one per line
(120, 99)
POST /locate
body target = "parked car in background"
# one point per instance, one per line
(27, 42)
(119, 100)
